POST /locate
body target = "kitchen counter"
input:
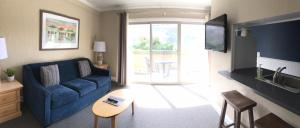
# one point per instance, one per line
(284, 98)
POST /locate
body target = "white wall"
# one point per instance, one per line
(292, 68)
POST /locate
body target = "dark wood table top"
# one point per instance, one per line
(271, 121)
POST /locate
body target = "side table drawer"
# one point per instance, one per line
(8, 97)
(10, 100)
(9, 109)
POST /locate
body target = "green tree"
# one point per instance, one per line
(158, 45)
(142, 44)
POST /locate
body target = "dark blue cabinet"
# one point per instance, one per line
(278, 40)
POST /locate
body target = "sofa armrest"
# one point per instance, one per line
(101, 72)
(36, 96)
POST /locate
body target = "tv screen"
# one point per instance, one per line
(215, 34)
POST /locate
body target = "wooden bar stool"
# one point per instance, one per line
(271, 121)
(240, 103)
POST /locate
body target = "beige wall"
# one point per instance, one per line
(19, 24)
(110, 33)
(241, 11)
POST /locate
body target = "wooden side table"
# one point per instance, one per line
(10, 100)
(102, 66)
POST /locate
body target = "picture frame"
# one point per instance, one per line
(58, 31)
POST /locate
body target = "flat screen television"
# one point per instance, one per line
(215, 34)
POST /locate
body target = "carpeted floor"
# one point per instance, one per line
(156, 106)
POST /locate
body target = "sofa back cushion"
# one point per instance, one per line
(84, 68)
(50, 75)
(68, 69)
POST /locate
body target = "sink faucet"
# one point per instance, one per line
(277, 73)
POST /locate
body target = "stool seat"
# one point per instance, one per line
(271, 121)
(238, 101)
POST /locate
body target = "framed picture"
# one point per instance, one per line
(58, 31)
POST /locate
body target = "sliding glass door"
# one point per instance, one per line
(138, 53)
(165, 53)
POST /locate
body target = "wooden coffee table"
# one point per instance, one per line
(105, 110)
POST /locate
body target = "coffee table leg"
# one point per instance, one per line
(132, 108)
(96, 122)
(113, 122)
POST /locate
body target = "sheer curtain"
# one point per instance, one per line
(122, 49)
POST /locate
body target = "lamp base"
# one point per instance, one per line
(99, 58)
(99, 62)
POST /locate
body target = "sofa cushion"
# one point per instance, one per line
(82, 86)
(100, 80)
(84, 68)
(61, 95)
(50, 75)
(68, 70)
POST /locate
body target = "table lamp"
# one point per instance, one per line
(3, 52)
(99, 49)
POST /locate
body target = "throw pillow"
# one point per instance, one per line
(84, 68)
(50, 75)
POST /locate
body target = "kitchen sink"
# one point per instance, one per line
(284, 81)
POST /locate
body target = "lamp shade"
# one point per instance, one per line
(3, 50)
(99, 46)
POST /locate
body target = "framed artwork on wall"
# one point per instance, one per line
(58, 31)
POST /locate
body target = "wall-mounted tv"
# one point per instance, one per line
(215, 34)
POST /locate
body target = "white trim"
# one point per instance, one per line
(179, 34)
(188, 20)
(195, 5)
(89, 4)
(150, 52)
(188, 6)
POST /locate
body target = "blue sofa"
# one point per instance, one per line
(51, 104)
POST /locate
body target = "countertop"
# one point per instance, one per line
(284, 98)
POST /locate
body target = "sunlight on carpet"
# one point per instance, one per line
(166, 97)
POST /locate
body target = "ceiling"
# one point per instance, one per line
(105, 5)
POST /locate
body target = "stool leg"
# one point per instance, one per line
(222, 116)
(235, 118)
(238, 120)
(132, 108)
(251, 120)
